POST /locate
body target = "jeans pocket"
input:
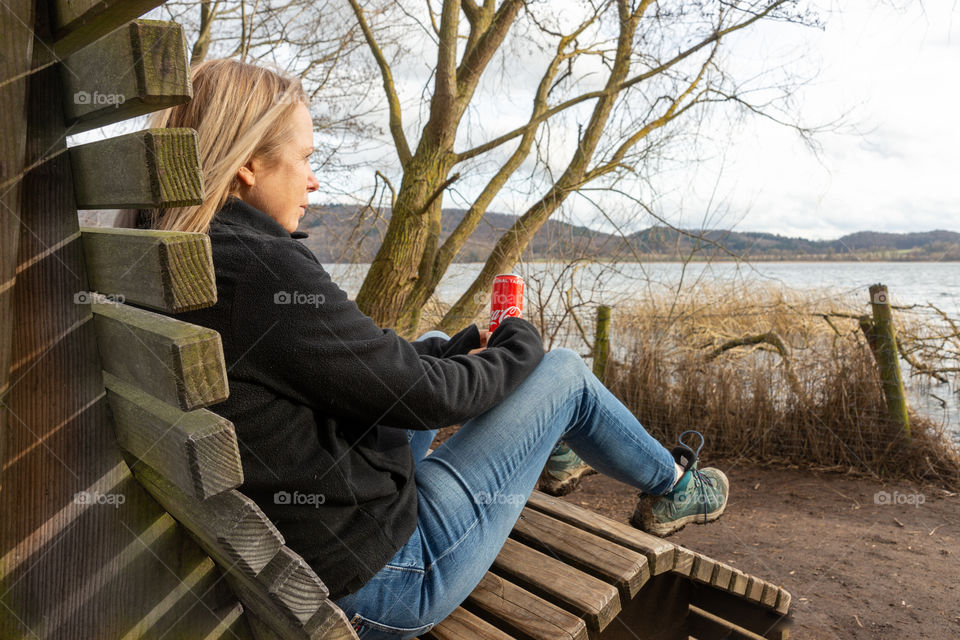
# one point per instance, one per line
(372, 630)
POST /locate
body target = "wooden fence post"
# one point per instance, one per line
(881, 335)
(601, 342)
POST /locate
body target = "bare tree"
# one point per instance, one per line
(630, 71)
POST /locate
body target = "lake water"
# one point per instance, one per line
(909, 283)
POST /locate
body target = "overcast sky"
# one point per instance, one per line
(889, 73)
(897, 74)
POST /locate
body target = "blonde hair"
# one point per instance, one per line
(239, 111)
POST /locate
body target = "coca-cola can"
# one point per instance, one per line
(507, 299)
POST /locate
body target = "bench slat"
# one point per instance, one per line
(174, 361)
(229, 526)
(145, 169)
(196, 451)
(137, 69)
(704, 624)
(522, 613)
(659, 553)
(683, 561)
(463, 625)
(268, 623)
(607, 560)
(293, 585)
(595, 601)
(77, 23)
(169, 271)
(702, 569)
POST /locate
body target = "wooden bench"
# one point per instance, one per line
(565, 572)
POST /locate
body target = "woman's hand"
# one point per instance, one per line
(484, 336)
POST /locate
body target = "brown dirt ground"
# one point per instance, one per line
(855, 568)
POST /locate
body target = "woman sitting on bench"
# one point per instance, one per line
(334, 415)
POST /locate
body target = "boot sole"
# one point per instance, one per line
(554, 487)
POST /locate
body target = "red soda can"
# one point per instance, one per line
(507, 299)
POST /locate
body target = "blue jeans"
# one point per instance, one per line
(472, 488)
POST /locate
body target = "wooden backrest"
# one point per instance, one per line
(103, 431)
(159, 373)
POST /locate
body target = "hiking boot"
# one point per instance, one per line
(563, 471)
(700, 496)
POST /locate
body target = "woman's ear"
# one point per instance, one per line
(245, 174)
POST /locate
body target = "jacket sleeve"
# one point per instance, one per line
(307, 340)
(462, 342)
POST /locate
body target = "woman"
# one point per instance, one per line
(334, 415)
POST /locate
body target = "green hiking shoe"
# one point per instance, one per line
(563, 471)
(700, 496)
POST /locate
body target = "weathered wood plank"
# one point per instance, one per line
(659, 552)
(287, 600)
(145, 169)
(683, 561)
(172, 360)
(229, 526)
(702, 569)
(722, 575)
(738, 584)
(271, 623)
(590, 598)
(704, 624)
(77, 23)
(463, 625)
(169, 271)
(625, 568)
(509, 607)
(232, 624)
(16, 50)
(196, 451)
(769, 596)
(754, 589)
(293, 585)
(783, 601)
(139, 68)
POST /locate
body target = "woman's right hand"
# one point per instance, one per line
(484, 336)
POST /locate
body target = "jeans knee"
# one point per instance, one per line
(565, 362)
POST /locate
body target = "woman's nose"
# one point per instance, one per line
(312, 183)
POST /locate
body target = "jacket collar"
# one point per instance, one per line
(237, 212)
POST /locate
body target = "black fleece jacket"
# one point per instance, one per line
(320, 396)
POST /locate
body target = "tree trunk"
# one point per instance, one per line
(511, 244)
(396, 267)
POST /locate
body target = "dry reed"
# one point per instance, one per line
(769, 375)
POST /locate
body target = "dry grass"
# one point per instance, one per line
(808, 392)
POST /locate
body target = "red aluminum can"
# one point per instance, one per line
(507, 299)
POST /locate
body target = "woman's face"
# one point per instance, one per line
(279, 187)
